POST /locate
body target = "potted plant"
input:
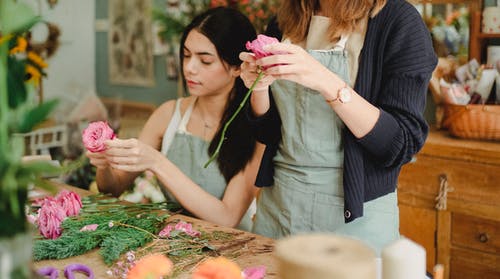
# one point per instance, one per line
(19, 113)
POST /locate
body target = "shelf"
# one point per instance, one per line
(477, 40)
(488, 35)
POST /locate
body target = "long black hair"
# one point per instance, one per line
(229, 30)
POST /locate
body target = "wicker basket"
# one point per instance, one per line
(473, 121)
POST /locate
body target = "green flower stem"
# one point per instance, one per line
(3, 81)
(222, 137)
(134, 227)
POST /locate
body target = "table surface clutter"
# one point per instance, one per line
(243, 248)
(112, 238)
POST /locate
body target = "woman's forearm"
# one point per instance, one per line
(226, 212)
(358, 114)
(260, 102)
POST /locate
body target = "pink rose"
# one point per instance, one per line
(50, 217)
(96, 134)
(70, 202)
(257, 45)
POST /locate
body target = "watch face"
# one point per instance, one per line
(345, 95)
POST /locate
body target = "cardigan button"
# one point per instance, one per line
(347, 214)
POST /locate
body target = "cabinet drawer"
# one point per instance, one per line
(472, 182)
(475, 233)
(468, 264)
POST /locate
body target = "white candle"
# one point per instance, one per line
(324, 256)
(403, 259)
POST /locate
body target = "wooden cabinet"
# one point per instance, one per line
(462, 179)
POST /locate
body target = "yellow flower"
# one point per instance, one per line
(35, 58)
(5, 39)
(33, 73)
(21, 46)
(151, 267)
(217, 268)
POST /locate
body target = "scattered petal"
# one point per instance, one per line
(255, 272)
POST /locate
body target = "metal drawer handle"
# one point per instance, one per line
(483, 237)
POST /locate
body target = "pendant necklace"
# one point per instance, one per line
(206, 127)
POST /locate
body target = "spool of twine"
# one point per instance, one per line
(324, 256)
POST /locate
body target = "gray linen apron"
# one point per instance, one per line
(308, 195)
(189, 154)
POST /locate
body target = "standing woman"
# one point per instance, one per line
(348, 82)
(179, 136)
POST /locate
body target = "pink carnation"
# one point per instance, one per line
(96, 134)
(70, 202)
(257, 45)
(50, 217)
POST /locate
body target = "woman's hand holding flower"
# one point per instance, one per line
(293, 63)
(131, 155)
(250, 72)
(94, 138)
(98, 159)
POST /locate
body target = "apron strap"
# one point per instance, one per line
(185, 118)
(341, 43)
(176, 123)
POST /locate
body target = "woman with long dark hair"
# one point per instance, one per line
(180, 135)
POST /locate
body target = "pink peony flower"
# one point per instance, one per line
(257, 45)
(96, 134)
(70, 202)
(50, 217)
(256, 272)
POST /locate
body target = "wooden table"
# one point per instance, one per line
(257, 251)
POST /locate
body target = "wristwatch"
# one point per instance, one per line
(344, 95)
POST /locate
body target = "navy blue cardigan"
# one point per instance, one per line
(396, 63)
